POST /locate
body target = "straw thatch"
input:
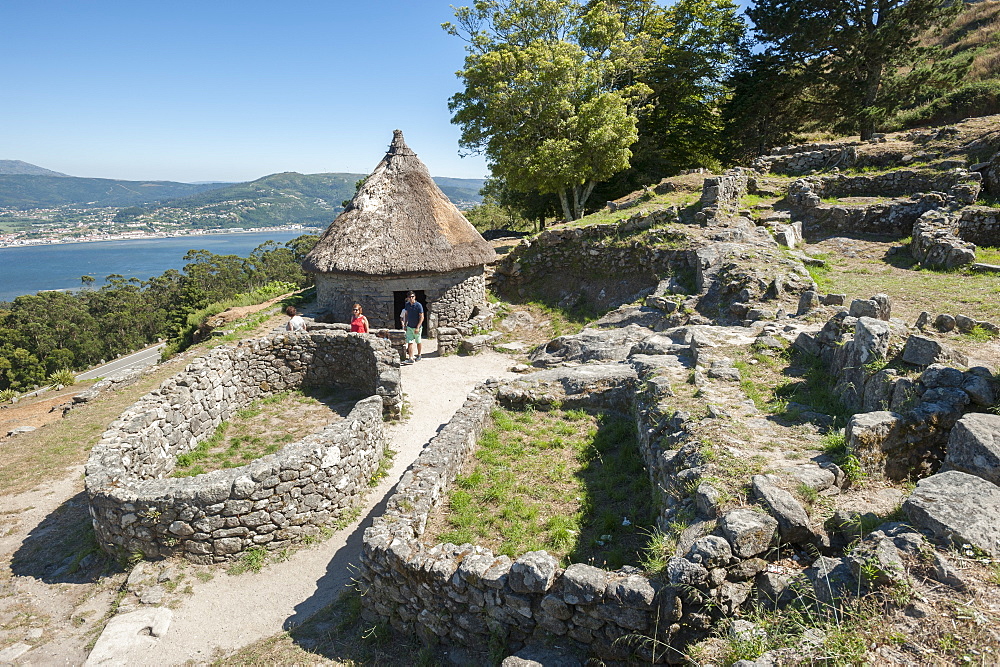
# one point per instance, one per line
(399, 223)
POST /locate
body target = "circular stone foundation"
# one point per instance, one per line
(271, 502)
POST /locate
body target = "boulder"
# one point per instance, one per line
(808, 300)
(793, 522)
(832, 579)
(533, 655)
(475, 344)
(924, 351)
(586, 378)
(939, 375)
(533, 572)
(710, 551)
(749, 532)
(959, 508)
(979, 388)
(877, 561)
(944, 322)
(813, 476)
(643, 316)
(682, 572)
(591, 345)
(706, 500)
(869, 435)
(583, 584)
(974, 446)
(517, 320)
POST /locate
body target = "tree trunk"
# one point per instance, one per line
(580, 195)
(564, 200)
(872, 85)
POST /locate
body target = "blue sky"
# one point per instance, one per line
(218, 90)
(224, 90)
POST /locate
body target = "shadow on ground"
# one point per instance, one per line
(63, 548)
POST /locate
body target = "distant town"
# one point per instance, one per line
(44, 226)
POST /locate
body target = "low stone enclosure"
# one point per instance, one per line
(271, 502)
(466, 595)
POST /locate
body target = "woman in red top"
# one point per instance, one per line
(359, 323)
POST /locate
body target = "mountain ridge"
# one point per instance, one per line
(20, 167)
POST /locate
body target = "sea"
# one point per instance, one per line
(31, 269)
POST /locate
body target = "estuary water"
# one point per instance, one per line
(30, 269)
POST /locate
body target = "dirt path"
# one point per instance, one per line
(49, 615)
(229, 612)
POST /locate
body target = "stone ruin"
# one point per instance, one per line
(916, 417)
(915, 414)
(137, 508)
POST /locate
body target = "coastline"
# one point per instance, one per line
(144, 236)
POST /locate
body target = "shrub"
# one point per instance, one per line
(65, 377)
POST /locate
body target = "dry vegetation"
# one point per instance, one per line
(265, 427)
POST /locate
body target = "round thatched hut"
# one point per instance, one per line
(400, 233)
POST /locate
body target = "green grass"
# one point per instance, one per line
(254, 432)
(913, 289)
(988, 255)
(569, 482)
(565, 321)
(821, 274)
(253, 560)
(834, 445)
(979, 334)
(680, 198)
(844, 635)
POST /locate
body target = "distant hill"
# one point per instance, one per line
(278, 199)
(26, 191)
(19, 167)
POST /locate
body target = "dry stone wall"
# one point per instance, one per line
(902, 423)
(597, 250)
(935, 242)
(980, 225)
(721, 195)
(797, 160)
(137, 508)
(899, 183)
(463, 594)
(466, 595)
(892, 217)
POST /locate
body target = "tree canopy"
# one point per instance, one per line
(546, 98)
(844, 55)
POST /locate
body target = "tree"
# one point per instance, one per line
(693, 45)
(847, 47)
(210, 277)
(546, 96)
(768, 105)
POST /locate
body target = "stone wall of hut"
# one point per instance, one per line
(450, 296)
(216, 516)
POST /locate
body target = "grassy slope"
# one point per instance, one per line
(975, 31)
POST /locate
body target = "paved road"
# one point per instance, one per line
(140, 359)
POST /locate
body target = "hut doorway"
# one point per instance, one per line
(399, 300)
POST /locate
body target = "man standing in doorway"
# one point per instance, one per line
(413, 320)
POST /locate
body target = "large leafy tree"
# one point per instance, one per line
(693, 45)
(844, 50)
(547, 98)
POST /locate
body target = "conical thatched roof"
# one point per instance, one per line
(399, 222)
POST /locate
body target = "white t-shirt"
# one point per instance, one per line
(296, 324)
